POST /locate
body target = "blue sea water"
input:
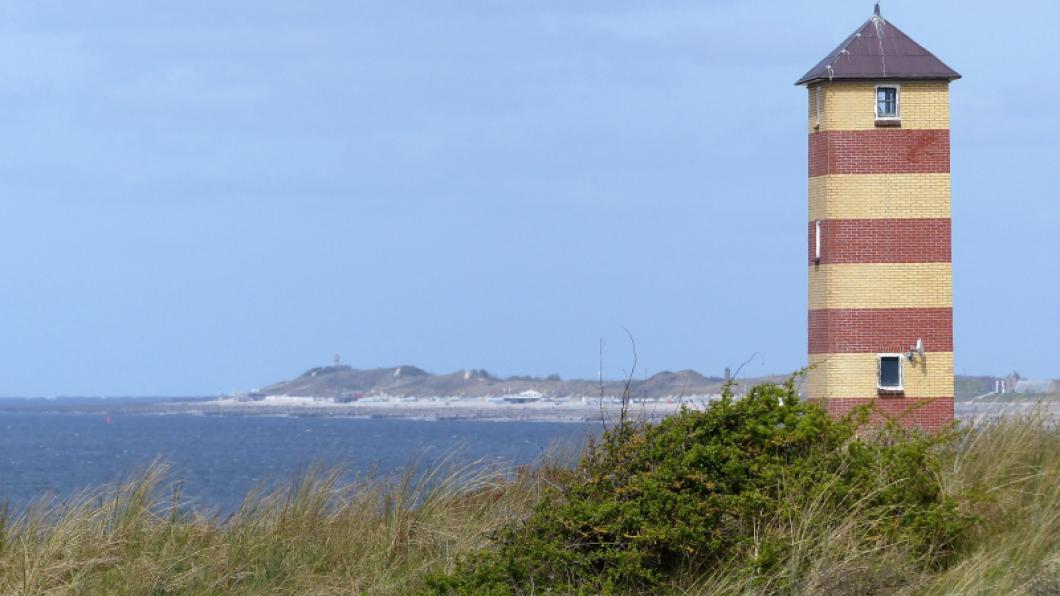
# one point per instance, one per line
(221, 458)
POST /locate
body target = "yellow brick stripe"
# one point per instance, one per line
(840, 376)
(851, 105)
(880, 196)
(881, 285)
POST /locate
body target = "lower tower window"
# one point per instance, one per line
(890, 372)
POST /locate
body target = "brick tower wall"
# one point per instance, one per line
(884, 277)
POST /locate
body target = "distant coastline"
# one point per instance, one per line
(399, 408)
(408, 392)
(433, 409)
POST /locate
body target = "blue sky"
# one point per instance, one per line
(212, 197)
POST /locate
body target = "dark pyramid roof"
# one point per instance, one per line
(879, 50)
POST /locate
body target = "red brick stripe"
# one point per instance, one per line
(929, 414)
(881, 241)
(880, 330)
(880, 151)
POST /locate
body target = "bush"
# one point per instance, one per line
(701, 490)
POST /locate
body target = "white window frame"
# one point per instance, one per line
(897, 102)
(817, 238)
(901, 373)
(818, 96)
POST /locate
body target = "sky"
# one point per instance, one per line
(210, 196)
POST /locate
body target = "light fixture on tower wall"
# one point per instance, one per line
(916, 351)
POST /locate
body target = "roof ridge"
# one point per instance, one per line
(842, 49)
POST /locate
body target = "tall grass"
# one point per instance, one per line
(315, 535)
(1011, 470)
(321, 535)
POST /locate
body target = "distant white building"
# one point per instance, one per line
(1025, 386)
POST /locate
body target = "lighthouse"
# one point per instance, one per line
(879, 228)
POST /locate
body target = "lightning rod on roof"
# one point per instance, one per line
(877, 9)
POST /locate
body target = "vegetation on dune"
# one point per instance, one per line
(759, 495)
(736, 486)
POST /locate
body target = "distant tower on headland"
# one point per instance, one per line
(880, 274)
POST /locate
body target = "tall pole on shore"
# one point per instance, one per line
(600, 370)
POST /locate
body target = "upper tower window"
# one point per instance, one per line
(887, 103)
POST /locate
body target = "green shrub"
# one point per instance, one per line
(651, 502)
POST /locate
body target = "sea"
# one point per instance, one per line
(219, 459)
(55, 449)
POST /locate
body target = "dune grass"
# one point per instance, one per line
(322, 535)
(316, 535)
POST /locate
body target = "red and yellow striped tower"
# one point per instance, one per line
(880, 279)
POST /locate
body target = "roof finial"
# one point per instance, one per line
(877, 7)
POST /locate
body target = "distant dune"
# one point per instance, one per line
(344, 382)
